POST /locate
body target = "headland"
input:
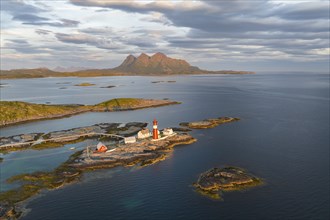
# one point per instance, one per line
(13, 112)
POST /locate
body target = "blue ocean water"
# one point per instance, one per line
(283, 137)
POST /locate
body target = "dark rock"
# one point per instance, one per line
(225, 179)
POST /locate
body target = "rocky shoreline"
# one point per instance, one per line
(144, 151)
(47, 140)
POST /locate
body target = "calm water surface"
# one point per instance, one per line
(283, 137)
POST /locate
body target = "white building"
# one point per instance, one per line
(144, 133)
(130, 140)
(168, 131)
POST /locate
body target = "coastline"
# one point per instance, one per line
(83, 75)
(79, 109)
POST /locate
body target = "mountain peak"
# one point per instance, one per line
(158, 56)
(143, 55)
(130, 56)
(156, 64)
(128, 61)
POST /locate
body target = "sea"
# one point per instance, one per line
(282, 137)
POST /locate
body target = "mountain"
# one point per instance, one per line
(155, 64)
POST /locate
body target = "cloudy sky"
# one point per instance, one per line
(255, 35)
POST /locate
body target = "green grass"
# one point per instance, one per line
(115, 104)
(15, 111)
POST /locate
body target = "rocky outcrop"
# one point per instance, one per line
(224, 179)
(208, 123)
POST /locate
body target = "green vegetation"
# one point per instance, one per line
(85, 84)
(47, 145)
(44, 72)
(15, 111)
(116, 104)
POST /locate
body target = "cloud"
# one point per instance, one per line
(158, 18)
(42, 32)
(205, 31)
(29, 18)
(16, 7)
(28, 14)
(99, 42)
(60, 23)
(22, 46)
(304, 11)
(287, 30)
(135, 6)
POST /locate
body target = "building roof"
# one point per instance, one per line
(145, 131)
(99, 145)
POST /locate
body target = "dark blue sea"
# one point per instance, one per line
(282, 137)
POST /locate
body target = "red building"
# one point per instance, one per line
(101, 148)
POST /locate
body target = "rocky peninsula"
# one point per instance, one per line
(13, 112)
(216, 180)
(208, 123)
(145, 151)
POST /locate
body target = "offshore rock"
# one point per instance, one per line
(208, 123)
(215, 180)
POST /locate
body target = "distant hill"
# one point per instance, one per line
(157, 64)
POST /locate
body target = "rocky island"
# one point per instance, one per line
(208, 123)
(216, 180)
(85, 84)
(15, 111)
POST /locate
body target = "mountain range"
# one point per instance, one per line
(157, 64)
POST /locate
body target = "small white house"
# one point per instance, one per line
(144, 133)
(167, 131)
(130, 140)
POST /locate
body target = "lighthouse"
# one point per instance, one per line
(155, 130)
